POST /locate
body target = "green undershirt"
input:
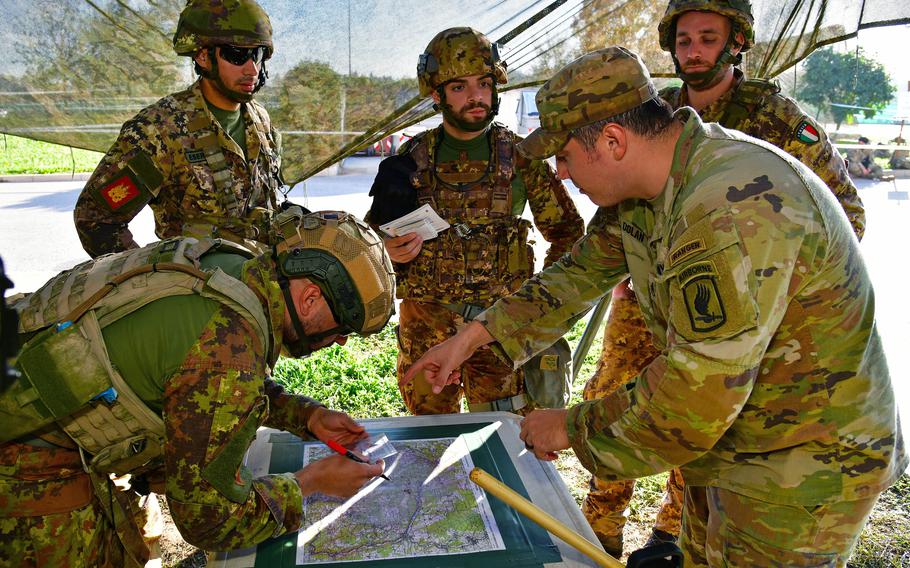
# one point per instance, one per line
(478, 148)
(150, 344)
(232, 122)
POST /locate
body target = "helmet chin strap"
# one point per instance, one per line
(452, 117)
(304, 344)
(704, 80)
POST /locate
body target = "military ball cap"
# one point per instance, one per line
(597, 85)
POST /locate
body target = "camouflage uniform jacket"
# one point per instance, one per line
(494, 257)
(213, 404)
(757, 108)
(175, 156)
(771, 381)
(212, 399)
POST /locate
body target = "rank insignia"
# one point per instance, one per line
(807, 133)
(119, 192)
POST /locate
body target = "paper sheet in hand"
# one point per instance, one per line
(424, 221)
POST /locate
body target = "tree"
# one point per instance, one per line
(831, 79)
(629, 23)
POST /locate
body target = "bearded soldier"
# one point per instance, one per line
(706, 39)
(206, 159)
(155, 362)
(468, 171)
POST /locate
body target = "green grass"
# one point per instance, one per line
(360, 379)
(24, 156)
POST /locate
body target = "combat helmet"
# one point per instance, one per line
(458, 52)
(210, 23)
(740, 14)
(347, 260)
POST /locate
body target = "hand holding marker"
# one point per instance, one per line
(349, 454)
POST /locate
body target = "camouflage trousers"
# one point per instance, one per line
(627, 349)
(900, 163)
(484, 377)
(723, 528)
(856, 171)
(51, 516)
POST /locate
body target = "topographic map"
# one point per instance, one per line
(429, 508)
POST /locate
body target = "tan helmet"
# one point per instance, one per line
(458, 52)
(210, 23)
(739, 12)
(344, 257)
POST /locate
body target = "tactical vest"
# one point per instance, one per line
(746, 98)
(485, 254)
(242, 221)
(67, 375)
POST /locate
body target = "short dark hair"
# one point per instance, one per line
(649, 119)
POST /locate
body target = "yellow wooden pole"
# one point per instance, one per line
(497, 488)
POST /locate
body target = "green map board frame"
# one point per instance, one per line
(500, 454)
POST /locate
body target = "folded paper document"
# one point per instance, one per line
(424, 221)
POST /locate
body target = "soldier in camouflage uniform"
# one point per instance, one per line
(861, 163)
(900, 159)
(206, 159)
(706, 39)
(468, 171)
(185, 343)
(771, 389)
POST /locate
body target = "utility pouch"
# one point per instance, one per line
(46, 390)
(548, 376)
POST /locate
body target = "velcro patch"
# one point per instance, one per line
(807, 133)
(686, 250)
(549, 362)
(195, 156)
(119, 192)
(702, 297)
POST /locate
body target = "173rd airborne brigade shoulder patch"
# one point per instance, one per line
(708, 300)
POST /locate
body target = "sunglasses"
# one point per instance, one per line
(240, 55)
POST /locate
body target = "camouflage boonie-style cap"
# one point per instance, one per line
(458, 52)
(739, 11)
(209, 23)
(597, 85)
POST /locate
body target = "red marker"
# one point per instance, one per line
(349, 454)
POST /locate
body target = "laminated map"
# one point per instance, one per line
(428, 508)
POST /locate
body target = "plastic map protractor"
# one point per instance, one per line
(430, 507)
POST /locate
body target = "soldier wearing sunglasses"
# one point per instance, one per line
(206, 159)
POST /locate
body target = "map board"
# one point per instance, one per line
(429, 513)
(418, 512)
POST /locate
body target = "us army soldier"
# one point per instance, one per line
(206, 160)
(706, 39)
(771, 389)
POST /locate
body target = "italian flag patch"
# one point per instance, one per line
(807, 133)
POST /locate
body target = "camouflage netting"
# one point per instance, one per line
(343, 72)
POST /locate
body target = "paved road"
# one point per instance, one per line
(38, 240)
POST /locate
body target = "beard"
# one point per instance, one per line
(462, 114)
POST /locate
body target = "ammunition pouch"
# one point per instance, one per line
(471, 263)
(548, 376)
(91, 403)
